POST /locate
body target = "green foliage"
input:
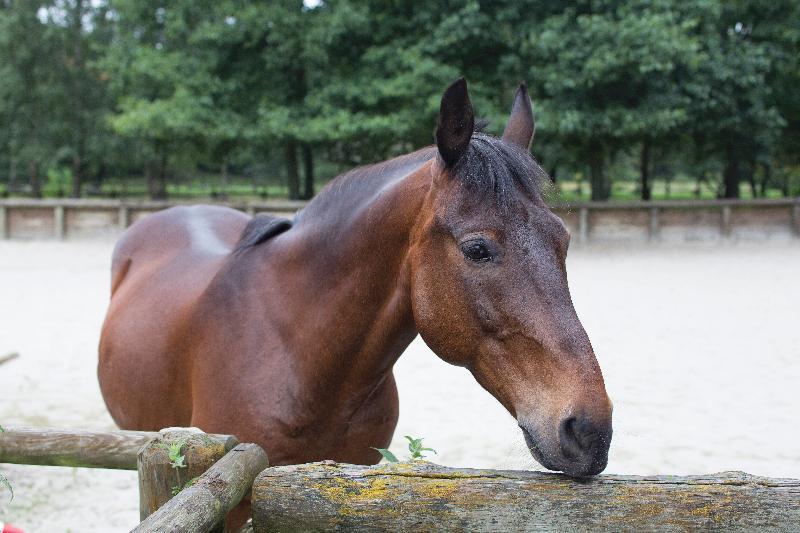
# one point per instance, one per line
(3, 479)
(104, 89)
(174, 451)
(415, 450)
(386, 454)
(176, 489)
(7, 484)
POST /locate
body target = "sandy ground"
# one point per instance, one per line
(700, 347)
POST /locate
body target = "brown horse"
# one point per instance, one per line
(285, 333)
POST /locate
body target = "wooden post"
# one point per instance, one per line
(796, 218)
(725, 221)
(583, 224)
(421, 496)
(3, 222)
(58, 222)
(203, 505)
(123, 217)
(653, 230)
(161, 477)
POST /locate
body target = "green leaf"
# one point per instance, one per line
(7, 484)
(389, 456)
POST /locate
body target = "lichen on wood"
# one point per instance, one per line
(424, 496)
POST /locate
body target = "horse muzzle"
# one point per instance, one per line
(578, 447)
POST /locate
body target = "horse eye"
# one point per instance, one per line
(476, 251)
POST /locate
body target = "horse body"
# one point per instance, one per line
(286, 337)
(199, 334)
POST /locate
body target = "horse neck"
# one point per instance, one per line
(348, 257)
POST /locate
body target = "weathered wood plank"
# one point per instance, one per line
(422, 496)
(90, 449)
(202, 506)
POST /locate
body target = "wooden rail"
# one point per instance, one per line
(421, 496)
(203, 505)
(686, 220)
(404, 496)
(88, 449)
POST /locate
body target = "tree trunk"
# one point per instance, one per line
(308, 171)
(765, 179)
(730, 175)
(77, 97)
(422, 496)
(785, 185)
(155, 175)
(77, 175)
(600, 188)
(644, 169)
(224, 179)
(750, 169)
(292, 177)
(36, 184)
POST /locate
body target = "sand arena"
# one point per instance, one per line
(700, 348)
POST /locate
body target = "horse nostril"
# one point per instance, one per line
(576, 436)
(585, 444)
(568, 440)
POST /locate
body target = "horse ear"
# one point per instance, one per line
(520, 127)
(456, 122)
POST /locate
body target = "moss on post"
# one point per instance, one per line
(171, 461)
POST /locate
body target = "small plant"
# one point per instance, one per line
(176, 458)
(176, 489)
(3, 479)
(415, 449)
(177, 461)
(7, 484)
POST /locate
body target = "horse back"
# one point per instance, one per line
(160, 268)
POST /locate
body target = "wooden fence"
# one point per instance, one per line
(668, 221)
(416, 496)
(210, 473)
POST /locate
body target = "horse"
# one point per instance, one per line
(284, 333)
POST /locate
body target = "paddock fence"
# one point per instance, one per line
(217, 472)
(589, 222)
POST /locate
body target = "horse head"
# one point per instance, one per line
(489, 287)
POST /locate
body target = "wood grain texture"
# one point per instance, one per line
(421, 496)
(159, 479)
(202, 506)
(89, 449)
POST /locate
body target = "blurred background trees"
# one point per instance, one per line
(636, 99)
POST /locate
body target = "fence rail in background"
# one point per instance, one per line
(427, 497)
(671, 221)
(88, 449)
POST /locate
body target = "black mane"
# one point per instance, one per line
(492, 166)
(261, 228)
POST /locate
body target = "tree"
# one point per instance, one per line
(27, 89)
(607, 74)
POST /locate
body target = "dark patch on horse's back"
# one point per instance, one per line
(261, 228)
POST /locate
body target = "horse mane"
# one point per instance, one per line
(491, 166)
(260, 229)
